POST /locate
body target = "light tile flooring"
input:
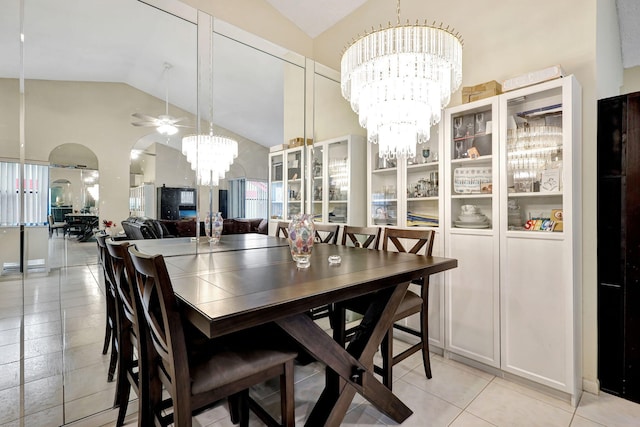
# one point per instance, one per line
(52, 371)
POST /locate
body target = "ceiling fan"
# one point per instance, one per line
(164, 123)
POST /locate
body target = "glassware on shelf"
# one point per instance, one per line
(530, 151)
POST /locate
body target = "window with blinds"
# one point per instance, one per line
(248, 198)
(35, 189)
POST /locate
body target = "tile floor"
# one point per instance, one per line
(52, 372)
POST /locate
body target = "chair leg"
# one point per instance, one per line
(386, 348)
(235, 407)
(424, 329)
(113, 360)
(109, 317)
(287, 401)
(107, 334)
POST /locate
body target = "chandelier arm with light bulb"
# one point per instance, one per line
(398, 80)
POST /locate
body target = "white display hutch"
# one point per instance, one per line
(337, 192)
(286, 185)
(472, 291)
(514, 302)
(541, 271)
(408, 194)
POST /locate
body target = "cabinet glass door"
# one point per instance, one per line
(276, 209)
(473, 173)
(384, 195)
(294, 182)
(534, 161)
(317, 171)
(338, 175)
(423, 184)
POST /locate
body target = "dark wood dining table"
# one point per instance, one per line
(227, 291)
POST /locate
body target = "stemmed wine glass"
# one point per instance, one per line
(426, 152)
(457, 125)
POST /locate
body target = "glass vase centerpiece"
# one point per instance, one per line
(301, 236)
(213, 227)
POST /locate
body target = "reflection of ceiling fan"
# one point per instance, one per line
(164, 123)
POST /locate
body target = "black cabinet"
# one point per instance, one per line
(619, 246)
(176, 203)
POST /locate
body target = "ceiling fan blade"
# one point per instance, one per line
(144, 117)
(143, 124)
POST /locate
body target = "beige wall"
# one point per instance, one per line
(631, 80)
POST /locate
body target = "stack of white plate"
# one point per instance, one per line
(472, 220)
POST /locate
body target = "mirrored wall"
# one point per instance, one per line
(91, 77)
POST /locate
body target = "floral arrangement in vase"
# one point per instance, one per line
(109, 227)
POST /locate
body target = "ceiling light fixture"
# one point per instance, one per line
(210, 156)
(398, 80)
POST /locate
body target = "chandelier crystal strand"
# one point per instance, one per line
(398, 80)
(210, 155)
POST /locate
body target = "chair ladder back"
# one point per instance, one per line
(124, 274)
(354, 235)
(326, 233)
(165, 328)
(419, 238)
(283, 227)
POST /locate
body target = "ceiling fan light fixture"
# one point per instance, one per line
(167, 129)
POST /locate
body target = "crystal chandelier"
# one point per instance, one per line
(210, 156)
(398, 80)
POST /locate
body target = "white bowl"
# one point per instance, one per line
(472, 218)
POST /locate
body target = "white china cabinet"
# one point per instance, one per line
(472, 291)
(286, 185)
(338, 180)
(540, 234)
(512, 219)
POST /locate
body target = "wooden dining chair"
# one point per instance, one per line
(326, 233)
(359, 237)
(410, 241)
(282, 229)
(225, 368)
(56, 226)
(110, 335)
(132, 338)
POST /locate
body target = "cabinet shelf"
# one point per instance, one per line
(423, 166)
(387, 171)
(422, 199)
(534, 194)
(472, 196)
(482, 159)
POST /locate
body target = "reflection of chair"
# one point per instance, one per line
(55, 226)
(131, 338)
(282, 228)
(411, 304)
(327, 233)
(361, 237)
(110, 334)
(194, 380)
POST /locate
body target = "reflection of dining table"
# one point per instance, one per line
(191, 245)
(227, 291)
(83, 224)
